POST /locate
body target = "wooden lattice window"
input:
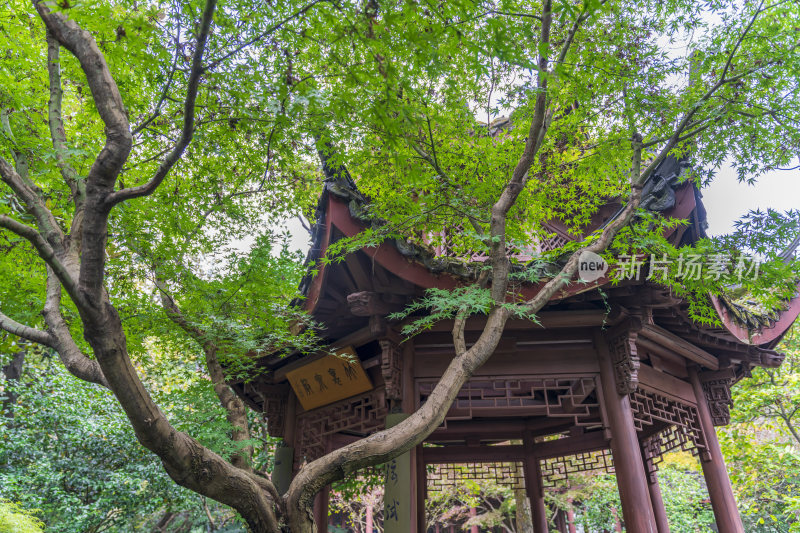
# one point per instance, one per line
(560, 468)
(508, 474)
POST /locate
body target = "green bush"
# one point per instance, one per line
(15, 519)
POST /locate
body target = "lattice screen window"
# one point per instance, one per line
(560, 468)
(650, 408)
(508, 474)
(445, 246)
(362, 415)
(558, 397)
(672, 439)
(553, 242)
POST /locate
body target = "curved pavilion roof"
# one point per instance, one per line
(396, 273)
(340, 213)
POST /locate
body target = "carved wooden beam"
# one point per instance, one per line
(392, 369)
(366, 303)
(717, 390)
(680, 346)
(625, 356)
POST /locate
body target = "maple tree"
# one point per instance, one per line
(143, 140)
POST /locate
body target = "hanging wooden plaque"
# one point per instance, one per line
(329, 379)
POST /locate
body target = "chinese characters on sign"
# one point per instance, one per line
(392, 510)
(391, 504)
(690, 267)
(329, 379)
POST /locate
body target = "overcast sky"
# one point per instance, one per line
(726, 199)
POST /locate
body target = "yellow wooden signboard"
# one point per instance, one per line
(329, 379)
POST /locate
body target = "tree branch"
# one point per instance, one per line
(263, 34)
(538, 129)
(57, 336)
(186, 461)
(106, 95)
(514, 14)
(75, 361)
(106, 166)
(46, 253)
(582, 17)
(20, 159)
(187, 132)
(58, 136)
(26, 332)
(459, 343)
(235, 409)
(30, 195)
(56, 123)
(738, 43)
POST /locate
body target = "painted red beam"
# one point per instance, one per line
(676, 344)
(498, 429)
(545, 320)
(588, 442)
(391, 259)
(473, 454)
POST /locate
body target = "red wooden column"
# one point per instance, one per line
(322, 499)
(533, 486)
(617, 524)
(715, 472)
(631, 477)
(472, 514)
(421, 489)
(321, 509)
(571, 518)
(659, 511)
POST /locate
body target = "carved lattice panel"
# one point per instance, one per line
(650, 408)
(671, 439)
(361, 415)
(567, 397)
(553, 242)
(445, 246)
(274, 410)
(273, 403)
(559, 468)
(510, 474)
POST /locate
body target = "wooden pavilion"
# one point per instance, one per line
(608, 380)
